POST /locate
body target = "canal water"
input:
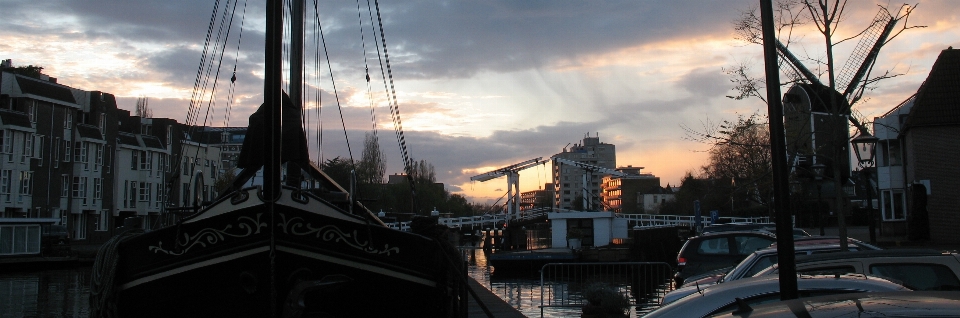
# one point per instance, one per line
(49, 293)
(522, 293)
(66, 292)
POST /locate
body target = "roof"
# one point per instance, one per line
(938, 99)
(868, 254)
(820, 97)
(15, 118)
(45, 89)
(152, 142)
(127, 139)
(87, 131)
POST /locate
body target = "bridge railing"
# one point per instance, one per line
(641, 220)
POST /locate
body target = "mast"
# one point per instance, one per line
(296, 52)
(272, 99)
(296, 78)
(273, 74)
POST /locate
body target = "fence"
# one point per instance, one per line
(562, 285)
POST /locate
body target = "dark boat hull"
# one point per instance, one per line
(317, 261)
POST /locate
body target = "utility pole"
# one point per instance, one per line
(778, 149)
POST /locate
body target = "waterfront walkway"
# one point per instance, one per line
(498, 308)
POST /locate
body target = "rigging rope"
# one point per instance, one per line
(233, 78)
(316, 72)
(333, 82)
(394, 106)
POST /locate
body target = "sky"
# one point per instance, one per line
(479, 84)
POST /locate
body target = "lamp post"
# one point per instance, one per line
(865, 145)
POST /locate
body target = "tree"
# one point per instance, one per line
(740, 161)
(225, 180)
(371, 168)
(30, 70)
(339, 170)
(143, 107)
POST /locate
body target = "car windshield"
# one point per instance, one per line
(740, 268)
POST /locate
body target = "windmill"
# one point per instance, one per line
(809, 105)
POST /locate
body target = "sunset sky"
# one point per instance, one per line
(481, 84)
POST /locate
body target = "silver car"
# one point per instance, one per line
(758, 290)
(862, 305)
(758, 261)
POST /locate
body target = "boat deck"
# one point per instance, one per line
(498, 308)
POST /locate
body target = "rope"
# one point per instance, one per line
(233, 78)
(334, 83)
(103, 294)
(408, 164)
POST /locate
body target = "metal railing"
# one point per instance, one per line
(641, 220)
(562, 285)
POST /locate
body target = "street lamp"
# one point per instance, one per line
(865, 145)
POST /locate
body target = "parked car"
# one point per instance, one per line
(769, 227)
(863, 305)
(757, 290)
(917, 269)
(704, 253)
(756, 262)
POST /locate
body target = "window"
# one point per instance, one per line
(83, 150)
(102, 220)
(919, 276)
(6, 179)
(80, 189)
(67, 119)
(19, 239)
(145, 191)
(102, 124)
(79, 226)
(832, 270)
(159, 196)
(895, 155)
(146, 160)
(132, 203)
(26, 182)
(893, 205)
(750, 244)
(98, 157)
(6, 145)
(213, 170)
(64, 186)
(186, 166)
(717, 245)
(32, 110)
(97, 188)
(76, 150)
(66, 151)
(27, 147)
(134, 159)
(55, 156)
(161, 162)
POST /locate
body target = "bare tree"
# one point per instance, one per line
(143, 107)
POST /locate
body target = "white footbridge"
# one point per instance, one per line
(635, 221)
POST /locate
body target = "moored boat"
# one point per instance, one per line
(276, 249)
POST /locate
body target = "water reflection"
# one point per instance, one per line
(51, 293)
(522, 293)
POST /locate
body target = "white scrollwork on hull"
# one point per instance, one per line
(247, 226)
(297, 226)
